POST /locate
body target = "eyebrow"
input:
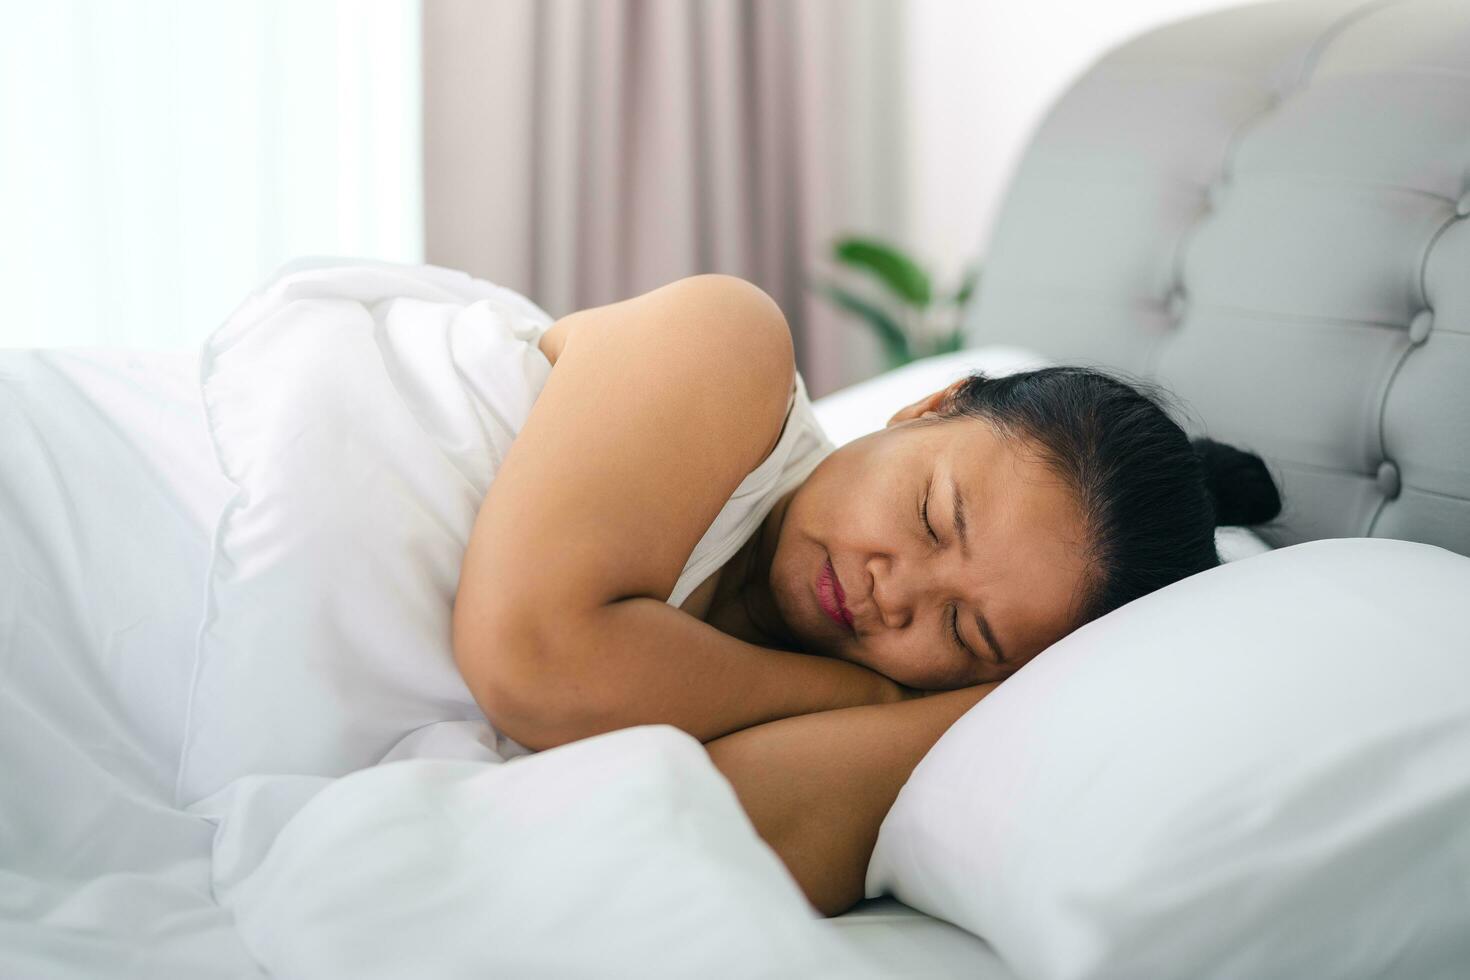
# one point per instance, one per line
(962, 526)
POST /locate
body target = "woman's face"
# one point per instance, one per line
(1021, 568)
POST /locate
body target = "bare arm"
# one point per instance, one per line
(642, 662)
(656, 408)
(818, 786)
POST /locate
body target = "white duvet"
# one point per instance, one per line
(231, 739)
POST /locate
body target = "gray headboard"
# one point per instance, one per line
(1267, 210)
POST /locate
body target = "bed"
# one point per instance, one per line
(110, 504)
(1277, 192)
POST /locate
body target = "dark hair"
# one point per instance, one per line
(1150, 496)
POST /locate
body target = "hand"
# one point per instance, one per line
(879, 688)
(894, 692)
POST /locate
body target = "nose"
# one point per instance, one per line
(897, 591)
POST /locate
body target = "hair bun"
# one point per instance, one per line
(1239, 484)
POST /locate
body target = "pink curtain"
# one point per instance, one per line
(584, 151)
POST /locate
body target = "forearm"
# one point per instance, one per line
(640, 662)
(818, 786)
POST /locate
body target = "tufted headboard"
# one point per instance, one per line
(1267, 210)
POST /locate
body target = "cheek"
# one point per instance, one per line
(793, 574)
(853, 472)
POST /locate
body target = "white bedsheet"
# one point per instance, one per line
(627, 854)
(901, 941)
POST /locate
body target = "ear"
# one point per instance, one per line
(928, 405)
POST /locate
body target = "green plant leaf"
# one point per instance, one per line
(951, 343)
(895, 270)
(967, 286)
(895, 342)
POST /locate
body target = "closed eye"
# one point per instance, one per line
(954, 613)
(924, 515)
(954, 631)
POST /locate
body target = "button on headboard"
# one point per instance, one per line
(1267, 210)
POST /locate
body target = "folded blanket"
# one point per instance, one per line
(361, 410)
(625, 854)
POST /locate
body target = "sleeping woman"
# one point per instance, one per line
(875, 602)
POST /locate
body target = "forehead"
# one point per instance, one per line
(1026, 531)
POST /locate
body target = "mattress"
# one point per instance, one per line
(112, 446)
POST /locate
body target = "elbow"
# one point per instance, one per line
(502, 665)
(832, 905)
(507, 696)
(830, 889)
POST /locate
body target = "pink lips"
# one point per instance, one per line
(831, 596)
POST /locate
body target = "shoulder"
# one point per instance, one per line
(734, 335)
(711, 308)
(723, 334)
(656, 409)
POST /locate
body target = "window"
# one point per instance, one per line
(158, 160)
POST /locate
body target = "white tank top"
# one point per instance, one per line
(802, 445)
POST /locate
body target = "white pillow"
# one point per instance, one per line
(867, 406)
(1262, 770)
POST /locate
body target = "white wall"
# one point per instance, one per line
(981, 75)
